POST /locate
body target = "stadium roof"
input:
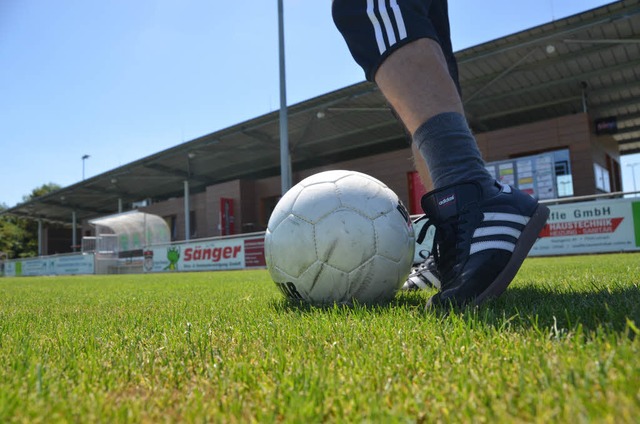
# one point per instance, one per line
(589, 61)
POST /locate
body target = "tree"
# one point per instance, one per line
(12, 234)
(41, 191)
(19, 236)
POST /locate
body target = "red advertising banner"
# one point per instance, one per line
(254, 252)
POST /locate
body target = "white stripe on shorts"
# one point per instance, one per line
(386, 22)
(391, 36)
(376, 26)
(399, 19)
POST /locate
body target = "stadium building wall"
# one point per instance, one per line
(575, 132)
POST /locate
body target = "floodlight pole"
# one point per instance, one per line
(84, 158)
(285, 157)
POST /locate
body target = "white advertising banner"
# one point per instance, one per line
(206, 255)
(590, 227)
(27, 267)
(73, 265)
(51, 265)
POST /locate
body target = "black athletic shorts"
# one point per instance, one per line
(373, 29)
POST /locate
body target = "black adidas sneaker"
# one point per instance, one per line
(423, 276)
(482, 237)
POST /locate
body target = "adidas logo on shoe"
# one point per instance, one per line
(447, 200)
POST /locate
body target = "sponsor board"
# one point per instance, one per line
(207, 255)
(590, 227)
(52, 265)
(73, 265)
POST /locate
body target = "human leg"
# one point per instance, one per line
(415, 80)
(405, 48)
(484, 230)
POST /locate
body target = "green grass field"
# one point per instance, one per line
(561, 345)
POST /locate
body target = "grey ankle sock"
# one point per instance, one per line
(450, 150)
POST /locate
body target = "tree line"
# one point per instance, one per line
(19, 236)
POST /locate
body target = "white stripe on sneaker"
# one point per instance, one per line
(495, 231)
(494, 244)
(435, 281)
(508, 217)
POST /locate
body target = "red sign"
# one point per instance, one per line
(254, 252)
(227, 225)
(416, 191)
(574, 228)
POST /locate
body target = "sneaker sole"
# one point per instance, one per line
(523, 246)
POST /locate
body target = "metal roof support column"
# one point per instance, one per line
(39, 237)
(187, 209)
(120, 205)
(74, 234)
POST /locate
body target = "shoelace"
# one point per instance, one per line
(423, 231)
(449, 233)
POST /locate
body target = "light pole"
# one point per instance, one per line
(633, 175)
(285, 158)
(84, 158)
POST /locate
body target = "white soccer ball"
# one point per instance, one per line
(339, 237)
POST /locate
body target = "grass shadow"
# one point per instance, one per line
(542, 307)
(531, 306)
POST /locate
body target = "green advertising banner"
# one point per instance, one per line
(635, 207)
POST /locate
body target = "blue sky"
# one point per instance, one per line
(119, 80)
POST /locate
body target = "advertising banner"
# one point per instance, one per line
(206, 255)
(52, 265)
(72, 265)
(591, 227)
(26, 267)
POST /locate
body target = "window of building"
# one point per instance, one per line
(543, 175)
(603, 182)
(564, 180)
